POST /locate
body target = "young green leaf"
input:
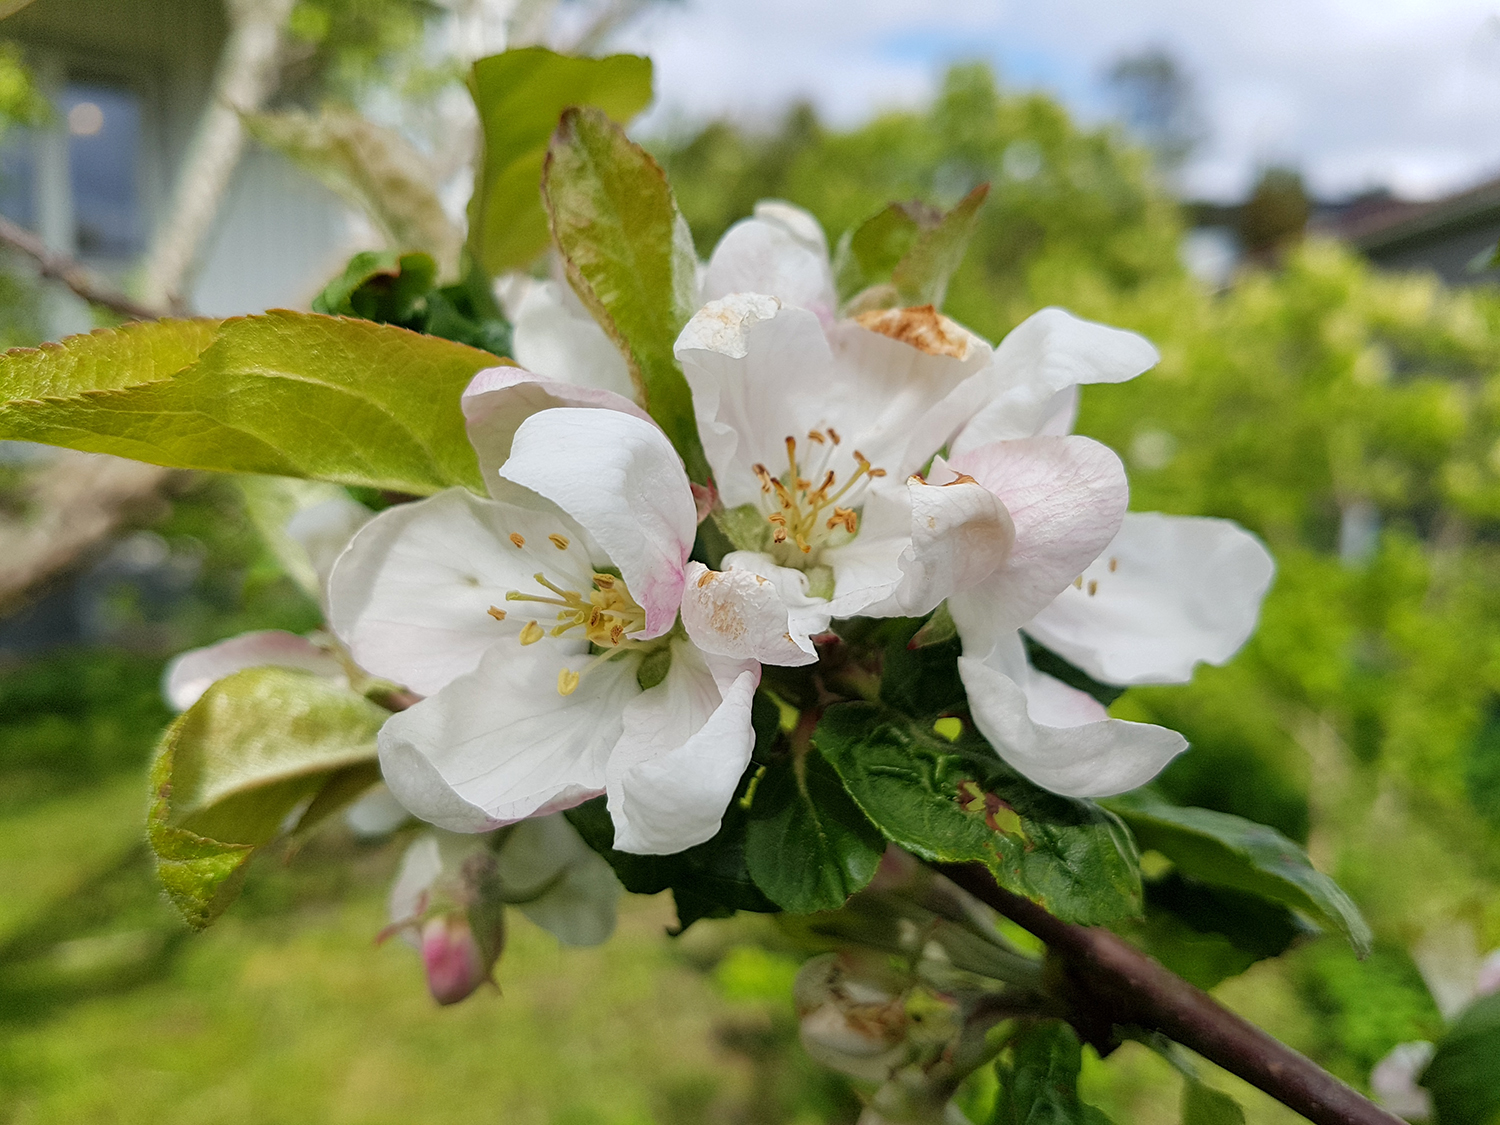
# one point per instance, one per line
(1203, 1105)
(630, 258)
(906, 254)
(233, 768)
(808, 847)
(520, 94)
(374, 168)
(957, 802)
(1464, 1074)
(921, 277)
(1229, 851)
(288, 394)
(1039, 1086)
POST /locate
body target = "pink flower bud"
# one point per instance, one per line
(455, 966)
(1489, 976)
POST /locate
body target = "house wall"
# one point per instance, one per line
(1447, 252)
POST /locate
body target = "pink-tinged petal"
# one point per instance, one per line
(620, 478)
(686, 742)
(918, 544)
(756, 369)
(499, 399)
(410, 598)
(1066, 496)
(781, 252)
(552, 333)
(501, 744)
(752, 610)
(1094, 759)
(1047, 354)
(190, 674)
(452, 959)
(1168, 593)
(411, 892)
(1394, 1080)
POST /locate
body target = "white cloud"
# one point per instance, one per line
(1355, 92)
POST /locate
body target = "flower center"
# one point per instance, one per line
(806, 507)
(605, 614)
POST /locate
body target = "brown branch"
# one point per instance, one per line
(1117, 984)
(60, 267)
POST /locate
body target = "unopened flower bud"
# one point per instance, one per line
(455, 964)
(1488, 982)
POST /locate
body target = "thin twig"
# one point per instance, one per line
(69, 271)
(1117, 985)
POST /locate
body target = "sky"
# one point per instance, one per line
(1357, 94)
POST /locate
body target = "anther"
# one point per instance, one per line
(813, 435)
(518, 539)
(877, 472)
(567, 682)
(1093, 587)
(497, 613)
(961, 478)
(604, 581)
(1113, 564)
(708, 576)
(834, 434)
(532, 633)
(1078, 582)
(559, 541)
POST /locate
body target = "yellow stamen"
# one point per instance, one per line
(497, 613)
(532, 633)
(1078, 582)
(1113, 563)
(1093, 587)
(806, 493)
(962, 478)
(559, 541)
(813, 435)
(518, 539)
(567, 682)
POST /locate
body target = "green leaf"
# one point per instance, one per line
(630, 258)
(285, 394)
(1043, 659)
(808, 847)
(1203, 1105)
(906, 254)
(392, 288)
(710, 880)
(260, 747)
(1208, 934)
(520, 95)
(1229, 851)
(374, 168)
(1039, 1086)
(1464, 1074)
(919, 671)
(957, 802)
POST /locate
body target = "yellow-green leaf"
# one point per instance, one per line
(520, 95)
(287, 394)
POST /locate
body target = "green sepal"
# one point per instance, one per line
(957, 802)
(807, 846)
(1228, 851)
(262, 747)
(520, 94)
(286, 394)
(1464, 1074)
(630, 258)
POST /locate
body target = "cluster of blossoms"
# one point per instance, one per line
(567, 644)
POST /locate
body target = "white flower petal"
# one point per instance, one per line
(578, 903)
(377, 813)
(1168, 593)
(499, 399)
(191, 673)
(501, 744)
(1048, 353)
(1066, 496)
(781, 251)
(421, 865)
(620, 478)
(954, 536)
(324, 529)
(1095, 759)
(1394, 1080)
(552, 333)
(410, 597)
(686, 743)
(752, 610)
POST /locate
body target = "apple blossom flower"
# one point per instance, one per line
(553, 335)
(541, 626)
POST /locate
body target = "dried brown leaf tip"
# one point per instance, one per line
(922, 327)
